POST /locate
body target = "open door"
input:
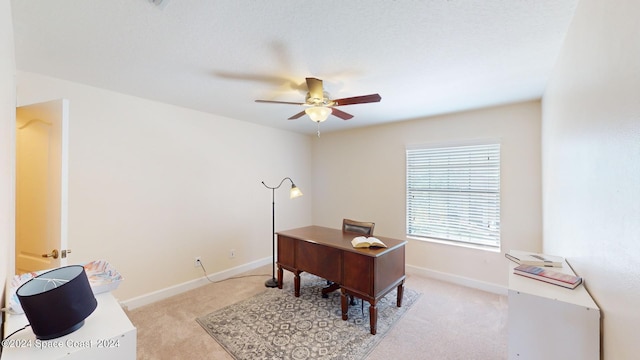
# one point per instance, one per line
(41, 185)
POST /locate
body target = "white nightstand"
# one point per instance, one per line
(550, 322)
(107, 334)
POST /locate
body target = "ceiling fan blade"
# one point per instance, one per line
(357, 100)
(279, 102)
(341, 114)
(298, 115)
(315, 88)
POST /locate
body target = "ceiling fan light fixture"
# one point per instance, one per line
(319, 105)
(318, 113)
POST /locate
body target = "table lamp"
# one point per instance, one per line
(57, 302)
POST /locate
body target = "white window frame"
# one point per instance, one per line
(453, 193)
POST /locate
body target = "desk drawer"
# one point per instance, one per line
(358, 272)
(286, 252)
(320, 260)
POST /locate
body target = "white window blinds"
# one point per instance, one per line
(453, 193)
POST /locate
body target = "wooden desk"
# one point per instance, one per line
(368, 274)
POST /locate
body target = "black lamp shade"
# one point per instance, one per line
(57, 302)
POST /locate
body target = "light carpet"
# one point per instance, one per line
(277, 325)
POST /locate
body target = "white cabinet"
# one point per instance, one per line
(550, 322)
(106, 334)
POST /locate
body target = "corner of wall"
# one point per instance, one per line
(7, 142)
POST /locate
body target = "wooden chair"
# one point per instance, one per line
(362, 228)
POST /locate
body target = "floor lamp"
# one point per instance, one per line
(293, 193)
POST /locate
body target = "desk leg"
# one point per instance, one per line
(280, 277)
(296, 283)
(345, 304)
(400, 294)
(373, 317)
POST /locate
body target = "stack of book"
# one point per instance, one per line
(529, 258)
(549, 276)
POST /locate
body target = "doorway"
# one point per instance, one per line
(41, 186)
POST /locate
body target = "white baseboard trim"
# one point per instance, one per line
(162, 294)
(459, 280)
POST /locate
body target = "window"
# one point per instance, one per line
(453, 194)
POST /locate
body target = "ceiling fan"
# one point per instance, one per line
(320, 105)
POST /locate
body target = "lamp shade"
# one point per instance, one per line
(318, 113)
(294, 192)
(57, 302)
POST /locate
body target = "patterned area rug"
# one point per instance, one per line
(277, 325)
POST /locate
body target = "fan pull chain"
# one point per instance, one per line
(318, 128)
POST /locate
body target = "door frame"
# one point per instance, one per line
(46, 111)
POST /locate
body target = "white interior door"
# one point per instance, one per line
(41, 185)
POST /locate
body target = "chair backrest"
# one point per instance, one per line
(357, 227)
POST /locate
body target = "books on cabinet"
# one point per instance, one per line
(547, 275)
(535, 259)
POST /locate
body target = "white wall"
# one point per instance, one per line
(153, 185)
(360, 174)
(7, 144)
(591, 162)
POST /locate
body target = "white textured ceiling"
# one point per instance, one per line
(423, 57)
